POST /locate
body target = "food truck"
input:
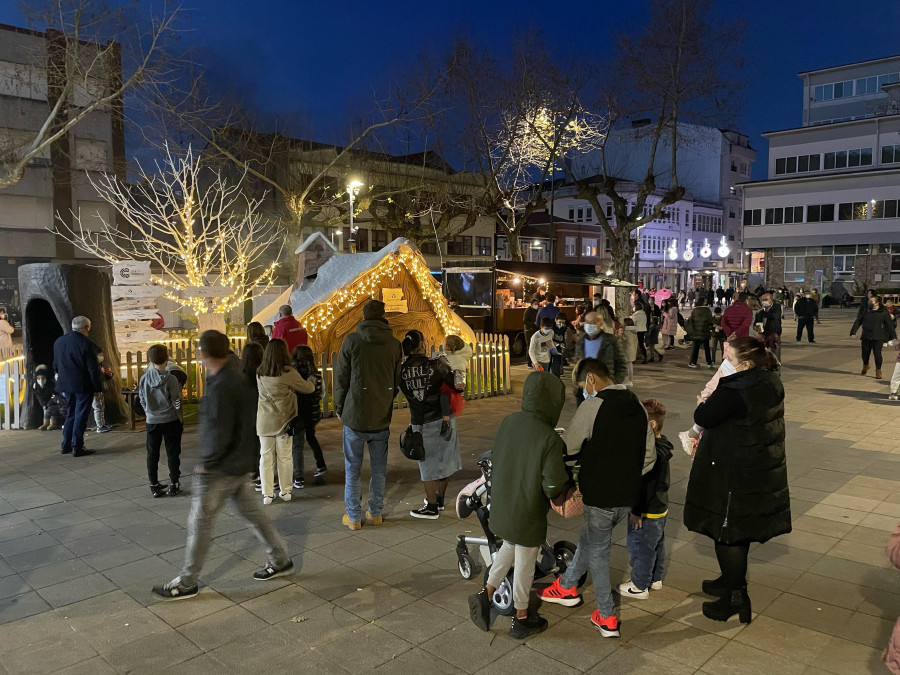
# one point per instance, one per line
(492, 298)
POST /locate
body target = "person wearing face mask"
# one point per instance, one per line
(595, 342)
(541, 349)
(737, 492)
(806, 311)
(611, 438)
(877, 328)
(529, 320)
(768, 324)
(563, 341)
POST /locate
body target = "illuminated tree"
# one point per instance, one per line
(197, 231)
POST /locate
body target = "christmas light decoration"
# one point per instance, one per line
(688, 254)
(195, 228)
(673, 250)
(706, 251)
(723, 248)
(323, 314)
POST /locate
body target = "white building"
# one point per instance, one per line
(828, 211)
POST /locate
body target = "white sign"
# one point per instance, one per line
(120, 304)
(131, 272)
(393, 300)
(135, 291)
(135, 315)
(206, 292)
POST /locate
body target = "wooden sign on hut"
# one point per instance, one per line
(330, 305)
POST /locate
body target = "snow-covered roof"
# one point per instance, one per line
(338, 272)
(312, 238)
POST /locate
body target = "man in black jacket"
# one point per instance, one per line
(366, 380)
(227, 458)
(78, 379)
(806, 310)
(616, 445)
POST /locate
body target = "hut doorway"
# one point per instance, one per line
(43, 330)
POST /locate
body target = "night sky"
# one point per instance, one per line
(318, 63)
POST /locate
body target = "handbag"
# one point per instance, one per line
(412, 445)
(568, 503)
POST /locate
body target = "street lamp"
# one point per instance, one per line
(352, 189)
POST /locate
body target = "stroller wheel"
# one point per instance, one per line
(565, 553)
(466, 566)
(502, 599)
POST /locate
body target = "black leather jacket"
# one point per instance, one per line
(420, 382)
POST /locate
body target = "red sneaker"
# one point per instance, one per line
(607, 625)
(568, 597)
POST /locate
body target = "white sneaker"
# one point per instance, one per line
(629, 590)
(285, 496)
(686, 442)
(268, 500)
(656, 586)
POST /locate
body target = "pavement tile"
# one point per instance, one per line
(372, 646)
(319, 625)
(469, 648)
(679, 642)
(69, 592)
(736, 658)
(20, 606)
(790, 642)
(283, 603)
(214, 630)
(120, 629)
(415, 661)
(153, 652)
(374, 601)
(848, 658)
(418, 621)
(639, 662)
(95, 666)
(573, 642)
(49, 656)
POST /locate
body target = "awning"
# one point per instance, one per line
(560, 273)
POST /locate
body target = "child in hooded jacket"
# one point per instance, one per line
(160, 394)
(53, 405)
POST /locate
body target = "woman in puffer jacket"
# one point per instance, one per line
(278, 383)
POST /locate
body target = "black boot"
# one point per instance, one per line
(715, 587)
(735, 602)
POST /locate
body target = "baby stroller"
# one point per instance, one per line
(475, 498)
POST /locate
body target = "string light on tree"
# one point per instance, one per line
(193, 238)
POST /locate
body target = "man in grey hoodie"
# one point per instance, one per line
(365, 383)
(227, 458)
(160, 394)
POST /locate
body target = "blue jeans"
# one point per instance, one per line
(354, 447)
(593, 553)
(78, 410)
(647, 552)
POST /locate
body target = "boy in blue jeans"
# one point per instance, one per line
(647, 522)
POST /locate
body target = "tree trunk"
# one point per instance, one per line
(513, 247)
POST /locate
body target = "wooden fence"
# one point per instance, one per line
(489, 374)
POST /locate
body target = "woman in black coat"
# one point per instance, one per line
(738, 489)
(877, 328)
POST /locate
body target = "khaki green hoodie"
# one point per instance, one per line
(527, 463)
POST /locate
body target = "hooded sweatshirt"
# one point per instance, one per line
(527, 468)
(289, 329)
(160, 395)
(367, 376)
(654, 499)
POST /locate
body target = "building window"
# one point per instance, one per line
(820, 213)
(379, 239)
(428, 248)
(589, 247)
(895, 264)
(753, 217)
(570, 247)
(853, 211)
(609, 211)
(890, 154)
(459, 246)
(483, 246)
(787, 214)
(844, 265)
(884, 208)
(795, 268)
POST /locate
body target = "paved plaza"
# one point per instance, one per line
(82, 542)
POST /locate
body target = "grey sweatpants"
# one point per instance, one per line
(895, 379)
(209, 494)
(524, 558)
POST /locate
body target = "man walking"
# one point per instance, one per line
(366, 378)
(287, 328)
(617, 445)
(806, 311)
(78, 379)
(227, 458)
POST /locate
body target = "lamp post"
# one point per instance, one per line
(352, 189)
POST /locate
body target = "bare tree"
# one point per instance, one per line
(683, 67)
(203, 236)
(93, 55)
(518, 123)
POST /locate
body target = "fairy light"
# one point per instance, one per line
(319, 318)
